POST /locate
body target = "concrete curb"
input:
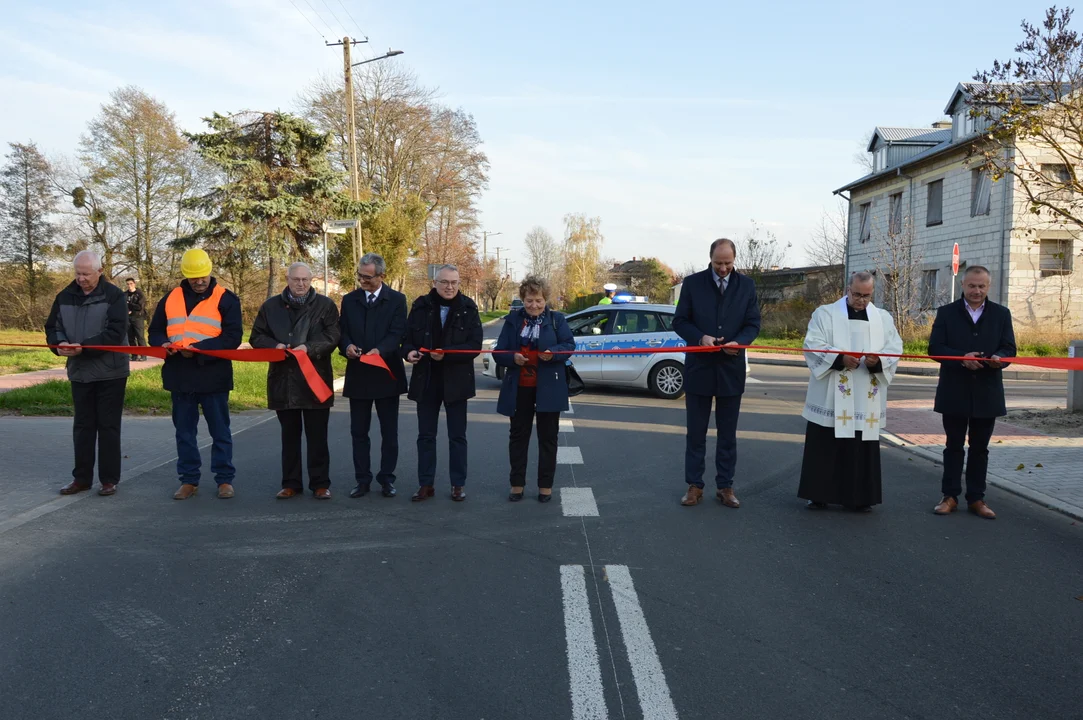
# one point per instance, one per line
(932, 371)
(490, 323)
(1050, 503)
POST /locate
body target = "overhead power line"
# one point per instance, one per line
(318, 32)
(326, 24)
(350, 15)
(340, 23)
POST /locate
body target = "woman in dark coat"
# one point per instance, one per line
(533, 347)
(301, 319)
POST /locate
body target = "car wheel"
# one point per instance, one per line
(500, 372)
(667, 380)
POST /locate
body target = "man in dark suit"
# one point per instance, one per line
(373, 322)
(717, 307)
(970, 393)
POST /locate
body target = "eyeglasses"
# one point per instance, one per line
(365, 278)
(448, 283)
(859, 296)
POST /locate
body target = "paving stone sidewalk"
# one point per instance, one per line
(28, 379)
(1047, 469)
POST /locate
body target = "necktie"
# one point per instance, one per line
(372, 299)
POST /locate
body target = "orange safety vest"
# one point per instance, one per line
(184, 330)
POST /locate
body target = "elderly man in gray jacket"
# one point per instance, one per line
(91, 311)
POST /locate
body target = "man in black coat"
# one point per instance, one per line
(717, 306)
(373, 322)
(137, 316)
(445, 319)
(300, 319)
(970, 393)
(91, 311)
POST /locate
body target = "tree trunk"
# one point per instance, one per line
(270, 276)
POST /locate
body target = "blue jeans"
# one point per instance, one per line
(186, 422)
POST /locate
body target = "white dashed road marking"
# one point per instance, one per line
(569, 455)
(588, 698)
(650, 680)
(566, 425)
(578, 502)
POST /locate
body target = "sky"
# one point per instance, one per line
(675, 122)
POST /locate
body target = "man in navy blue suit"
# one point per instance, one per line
(717, 307)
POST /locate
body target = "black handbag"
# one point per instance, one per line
(575, 383)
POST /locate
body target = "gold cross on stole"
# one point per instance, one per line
(845, 418)
(872, 421)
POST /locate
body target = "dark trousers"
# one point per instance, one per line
(519, 440)
(99, 407)
(314, 425)
(135, 331)
(428, 423)
(727, 409)
(977, 459)
(215, 407)
(387, 409)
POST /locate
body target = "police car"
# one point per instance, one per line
(625, 326)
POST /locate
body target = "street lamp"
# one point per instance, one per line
(389, 53)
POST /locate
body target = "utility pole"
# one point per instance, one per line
(351, 140)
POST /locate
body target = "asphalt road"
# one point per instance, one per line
(137, 607)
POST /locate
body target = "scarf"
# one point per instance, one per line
(531, 331)
(297, 302)
(437, 327)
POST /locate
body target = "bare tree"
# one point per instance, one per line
(827, 247)
(898, 262)
(543, 253)
(862, 157)
(26, 231)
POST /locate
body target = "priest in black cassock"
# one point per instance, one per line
(846, 404)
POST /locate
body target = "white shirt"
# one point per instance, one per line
(975, 314)
(371, 296)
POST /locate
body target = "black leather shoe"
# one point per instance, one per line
(389, 491)
(863, 509)
(515, 497)
(359, 491)
(543, 498)
(813, 505)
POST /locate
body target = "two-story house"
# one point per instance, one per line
(924, 195)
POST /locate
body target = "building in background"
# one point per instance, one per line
(923, 196)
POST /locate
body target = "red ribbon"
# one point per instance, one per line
(1052, 363)
(315, 383)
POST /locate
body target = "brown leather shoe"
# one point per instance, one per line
(185, 491)
(322, 493)
(693, 496)
(947, 506)
(73, 488)
(458, 493)
(108, 489)
(979, 508)
(728, 498)
(287, 493)
(225, 491)
(423, 493)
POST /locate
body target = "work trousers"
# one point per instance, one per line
(99, 407)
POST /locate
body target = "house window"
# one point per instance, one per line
(894, 226)
(865, 228)
(928, 289)
(934, 212)
(880, 159)
(981, 192)
(1055, 256)
(1059, 179)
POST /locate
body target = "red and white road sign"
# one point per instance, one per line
(955, 260)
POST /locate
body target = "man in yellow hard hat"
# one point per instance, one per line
(201, 314)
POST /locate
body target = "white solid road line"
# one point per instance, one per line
(578, 502)
(570, 410)
(566, 425)
(650, 680)
(569, 455)
(584, 672)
